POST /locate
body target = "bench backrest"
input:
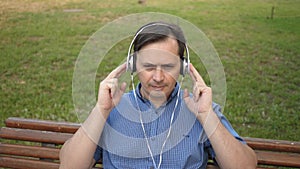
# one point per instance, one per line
(37, 143)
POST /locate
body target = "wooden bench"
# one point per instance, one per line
(35, 144)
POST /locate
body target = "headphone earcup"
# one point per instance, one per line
(181, 66)
(134, 62)
(184, 67)
(131, 63)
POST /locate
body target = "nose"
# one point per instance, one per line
(158, 75)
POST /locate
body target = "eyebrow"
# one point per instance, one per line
(163, 65)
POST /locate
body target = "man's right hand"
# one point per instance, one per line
(78, 152)
(110, 92)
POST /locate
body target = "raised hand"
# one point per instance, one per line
(201, 102)
(110, 92)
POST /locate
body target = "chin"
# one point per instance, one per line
(157, 94)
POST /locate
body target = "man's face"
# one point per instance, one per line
(158, 67)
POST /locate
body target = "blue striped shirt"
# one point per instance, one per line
(123, 144)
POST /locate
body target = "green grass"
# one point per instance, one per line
(40, 42)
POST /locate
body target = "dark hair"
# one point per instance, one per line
(159, 31)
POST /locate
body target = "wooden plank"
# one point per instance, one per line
(29, 151)
(34, 135)
(278, 159)
(21, 163)
(35, 124)
(273, 145)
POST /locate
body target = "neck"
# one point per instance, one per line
(157, 102)
(155, 99)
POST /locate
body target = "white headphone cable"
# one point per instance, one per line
(143, 127)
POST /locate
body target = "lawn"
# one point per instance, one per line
(40, 41)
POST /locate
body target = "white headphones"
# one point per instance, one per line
(131, 57)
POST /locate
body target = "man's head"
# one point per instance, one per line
(159, 49)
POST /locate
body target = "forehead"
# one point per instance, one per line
(168, 45)
(167, 48)
(157, 56)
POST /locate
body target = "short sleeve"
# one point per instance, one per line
(98, 153)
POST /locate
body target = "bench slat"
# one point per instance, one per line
(273, 145)
(278, 159)
(34, 135)
(29, 151)
(21, 163)
(64, 127)
(67, 127)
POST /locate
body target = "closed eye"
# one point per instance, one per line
(149, 67)
(168, 67)
(165, 67)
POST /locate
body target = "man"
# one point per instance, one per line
(155, 105)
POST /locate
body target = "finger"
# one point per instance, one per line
(123, 87)
(186, 93)
(120, 92)
(196, 93)
(195, 75)
(198, 90)
(114, 88)
(112, 85)
(116, 73)
(191, 73)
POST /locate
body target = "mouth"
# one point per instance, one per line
(157, 88)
